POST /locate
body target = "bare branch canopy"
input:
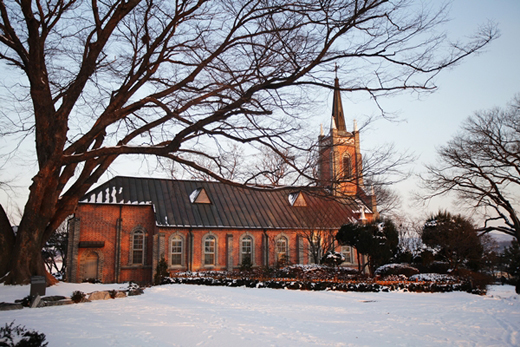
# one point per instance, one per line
(481, 166)
(104, 79)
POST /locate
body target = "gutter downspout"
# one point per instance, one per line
(266, 249)
(119, 227)
(190, 252)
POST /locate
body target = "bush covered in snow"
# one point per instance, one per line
(350, 286)
(396, 269)
(319, 277)
(333, 258)
(433, 277)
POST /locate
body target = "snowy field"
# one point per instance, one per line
(188, 315)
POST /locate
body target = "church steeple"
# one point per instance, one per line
(340, 165)
(338, 118)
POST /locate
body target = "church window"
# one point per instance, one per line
(347, 253)
(246, 250)
(138, 247)
(210, 245)
(347, 167)
(282, 254)
(176, 250)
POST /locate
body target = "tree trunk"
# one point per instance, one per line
(358, 261)
(26, 257)
(7, 240)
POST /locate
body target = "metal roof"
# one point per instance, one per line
(229, 206)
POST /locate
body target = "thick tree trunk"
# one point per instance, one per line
(7, 240)
(26, 257)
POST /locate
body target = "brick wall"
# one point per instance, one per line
(113, 225)
(229, 248)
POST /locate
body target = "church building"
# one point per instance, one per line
(124, 227)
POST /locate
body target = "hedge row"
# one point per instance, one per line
(427, 287)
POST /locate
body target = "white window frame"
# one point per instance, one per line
(206, 238)
(173, 238)
(276, 248)
(350, 251)
(137, 232)
(252, 246)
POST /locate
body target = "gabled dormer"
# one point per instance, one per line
(199, 196)
(297, 199)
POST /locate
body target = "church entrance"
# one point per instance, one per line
(91, 264)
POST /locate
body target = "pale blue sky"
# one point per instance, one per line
(490, 79)
(480, 82)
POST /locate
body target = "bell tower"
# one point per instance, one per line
(340, 166)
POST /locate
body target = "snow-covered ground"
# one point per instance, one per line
(188, 315)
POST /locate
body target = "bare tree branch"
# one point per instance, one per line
(104, 79)
(481, 166)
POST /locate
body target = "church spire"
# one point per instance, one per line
(338, 118)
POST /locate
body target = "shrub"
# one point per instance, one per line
(19, 336)
(396, 269)
(77, 296)
(333, 259)
(454, 239)
(436, 267)
(283, 261)
(161, 271)
(246, 264)
(112, 293)
(477, 279)
(25, 302)
(91, 280)
(134, 289)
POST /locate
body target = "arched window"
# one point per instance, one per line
(138, 247)
(177, 250)
(246, 250)
(347, 167)
(282, 249)
(210, 250)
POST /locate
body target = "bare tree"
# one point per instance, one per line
(388, 201)
(482, 166)
(274, 168)
(54, 252)
(410, 243)
(227, 163)
(320, 242)
(104, 79)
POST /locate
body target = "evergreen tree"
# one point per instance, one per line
(161, 271)
(454, 239)
(511, 259)
(378, 240)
